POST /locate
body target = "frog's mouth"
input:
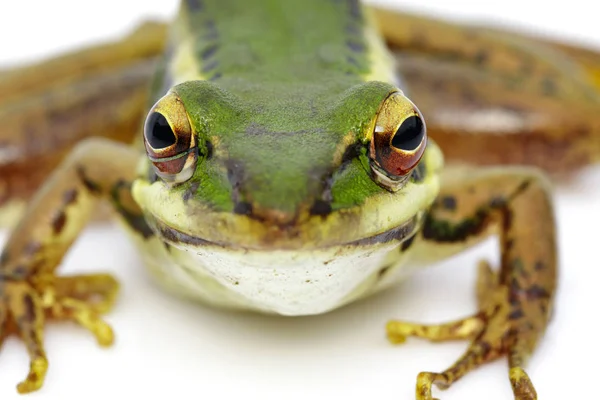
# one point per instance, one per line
(398, 234)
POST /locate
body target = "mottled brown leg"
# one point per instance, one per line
(514, 304)
(100, 91)
(30, 290)
(480, 103)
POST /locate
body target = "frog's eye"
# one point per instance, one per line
(398, 141)
(170, 141)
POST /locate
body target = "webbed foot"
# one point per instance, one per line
(501, 328)
(25, 305)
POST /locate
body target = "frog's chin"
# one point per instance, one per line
(292, 240)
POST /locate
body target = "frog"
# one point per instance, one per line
(273, 158)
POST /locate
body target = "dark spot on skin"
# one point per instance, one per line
(522, 187)
(209, 149)
(308, 281)
(243, 208)
(445, 231)
(515, 285)
(194, 5)
(134, 220)
(209, 52)
(516, 314)
(210, 66)
(235, 175)
(540, 266)
(481, 57)
(355, 46)
(448, 203)
(383, 271)
(211, 31)
(328, 261)
(355, 10)
(509, 245)
(58, 222)
(236, 283)
(29, 308)
(536, 292)
(321, 207)
(70, 197)
(351, 152)
(190, 191)
(137, 223)
(352, 60)
(93, 187)
(407, 243)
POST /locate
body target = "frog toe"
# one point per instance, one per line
(503, 327)
(86, 316)
(521, 384)
(21, 304)
(35, 378)
(398, 331)
(98, 291)
(27, 304)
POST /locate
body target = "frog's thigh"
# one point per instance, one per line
(514, 303)
(101, 91)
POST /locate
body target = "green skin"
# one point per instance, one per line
(280, 106)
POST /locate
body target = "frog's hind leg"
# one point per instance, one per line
(46, 108)
(494, 97)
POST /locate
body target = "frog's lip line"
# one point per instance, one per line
(398, 234)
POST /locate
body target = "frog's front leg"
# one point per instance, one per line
(515, 303)
(30, 290)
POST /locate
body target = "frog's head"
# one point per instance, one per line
(301, 171)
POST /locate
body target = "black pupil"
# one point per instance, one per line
(410, 134)
(158, 132)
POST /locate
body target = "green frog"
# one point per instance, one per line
(288, 158)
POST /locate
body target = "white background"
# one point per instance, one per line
(169, 348)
